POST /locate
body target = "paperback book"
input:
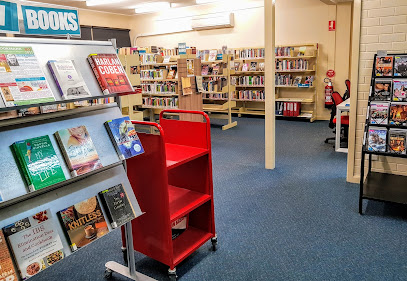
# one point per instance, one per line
(379, 112)
(124, 137)
(78, 150)
(7, 272)
(38, 162)
(400, 90)
(35, 243)
(83, 223)
(400, 66)
(117, 205)
(382, 90)
(377, 139)
(245, 67)
(68, 79)
(398, 114)
(397, 141)
(384, 66)
(205, 70)
(179, 226)
(110, 73)
(212, 55)
(253, 66)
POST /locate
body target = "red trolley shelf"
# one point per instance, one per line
(171, 180)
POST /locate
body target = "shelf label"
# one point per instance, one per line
(303, 85)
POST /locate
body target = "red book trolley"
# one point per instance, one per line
(171, 180)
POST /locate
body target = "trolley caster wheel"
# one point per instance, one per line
(214, 241)
(108, 274)
(124, 253)
(172, 274)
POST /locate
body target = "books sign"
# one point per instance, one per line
(332, 25)
(8, 17)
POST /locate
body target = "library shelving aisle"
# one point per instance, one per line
(17, 203)
(177, 168)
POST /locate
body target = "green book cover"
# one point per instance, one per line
(39, 161)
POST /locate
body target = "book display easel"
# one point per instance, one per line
(385, 129)
(18, 204)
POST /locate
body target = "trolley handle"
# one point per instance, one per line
(185, 111)
(150, 124)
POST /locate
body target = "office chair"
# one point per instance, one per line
(337, 99)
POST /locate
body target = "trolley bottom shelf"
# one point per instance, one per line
(385, 187)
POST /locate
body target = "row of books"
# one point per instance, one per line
(248, 81)
(391, 66)
(290, 51)
(284, 108)
(214, 85)
(159, 88)
(388, 113)
(160, 102)
(251, 53)
(390, 90)
(215, 69)
(253, 66)
(383, 140)
(299, 64)
(34, 240)
(209, 55)
(290, 80)
(151, 74)
(215, 96)
(148, 58)
(249, 95)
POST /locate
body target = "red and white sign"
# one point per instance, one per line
(332, 25)
(330, 73)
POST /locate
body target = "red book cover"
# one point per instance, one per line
(291, 108)
(110, 73)
(285, 111)
(295, 109)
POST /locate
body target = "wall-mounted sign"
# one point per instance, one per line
(330, 73)
(8, 17)
(332, 25)
(182, 48)
(50, 21)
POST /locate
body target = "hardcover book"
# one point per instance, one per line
(398, 114)
(117, 205)
(379, 112)
(384, 66)
(83, 223)
(124, 137)
(400, 90)
(38, 162)
(68, 79)
(78, 150)
(377, 139)
(397, 141)
(35, 243)
(110, 73)
(7, 272)
(382, 90)
(400, 66)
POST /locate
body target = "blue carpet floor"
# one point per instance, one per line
(297, 222)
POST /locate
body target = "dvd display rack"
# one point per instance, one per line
(385, 130)
(17, 202)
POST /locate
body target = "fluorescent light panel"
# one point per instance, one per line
(152, 7)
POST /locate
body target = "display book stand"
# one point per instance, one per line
(378, 186)
(17, 202)
(177, 169)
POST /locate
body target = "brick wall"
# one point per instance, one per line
(383, 27)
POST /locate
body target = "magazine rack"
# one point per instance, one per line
(18, 203)
(375, 185)
(176, 182)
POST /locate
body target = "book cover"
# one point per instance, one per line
(253, 66)
(212, 55)
(78, 149)
(397, 141)
(199, 83)
(171, 74)
(117, 205)
(377, 139)
(190, 68)
(382, 90)
(110, 73)
(68, 79)
(186, 86)
(384, 66)
(261, 66)
(179, 226)
(237, 66)
(35, 243)
(205, 70)
(398, 114)
(124, 137)
(297, 80)
(83, 223)
(7, 272)
(400, 90)
(379, 112)
(245, 67)
(400, 66)
(36, 158)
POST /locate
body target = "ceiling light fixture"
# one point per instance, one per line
(101, 2)
(152, 7)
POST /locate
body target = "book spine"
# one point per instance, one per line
(23, 167)
(97, 75)
(109, 131)
(67, 160)
(51, 68)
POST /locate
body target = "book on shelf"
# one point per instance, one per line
(379, 112)
(400, 90)
(212, 55)
(237, 65)
(297, 80)
(124, 137)
(398, 114)
(382, 90)
(309, 80)
(78, 150)
(117, 206)
(301, 51)
(190, 67)
(261, 66)
(397, 141)
(384, 66)
(68, 79)
(215, 69)
(23, 112)
(19, 86)
(186, 86)
(7, 271)
(182, 48)
(53, 108)
(83, 223)
(167, 59)
(400, 66)
(253, 66)
(245, 67)
(377, 139)
(38, 162)
(199, 83)
(171, 74)
(35, 243)
(179, 226)
(205, 70)
(109, 73)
